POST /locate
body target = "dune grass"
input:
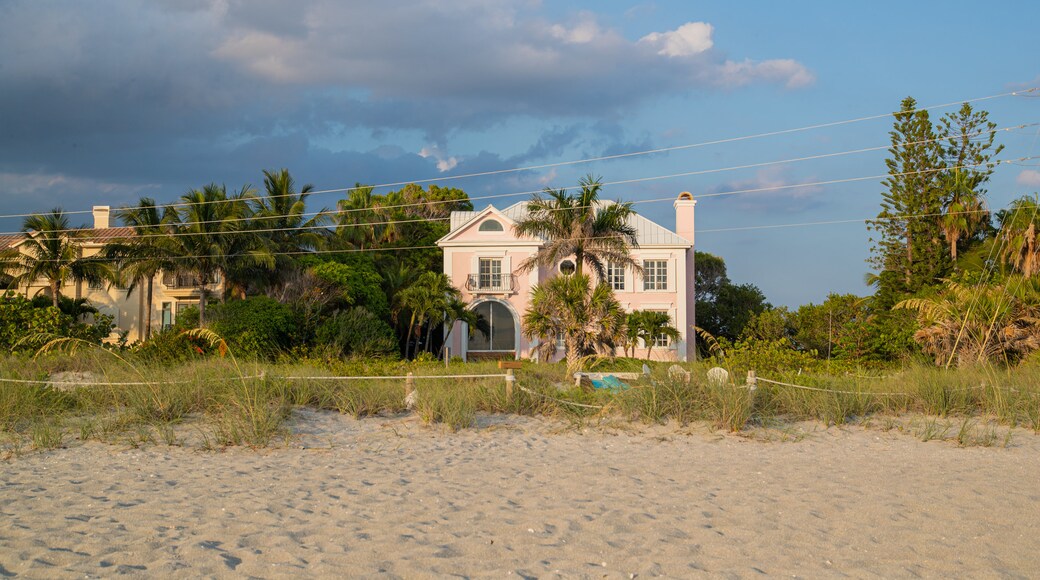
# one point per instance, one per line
(234, 403)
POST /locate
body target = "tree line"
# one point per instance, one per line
(336, 279)
(953, 280)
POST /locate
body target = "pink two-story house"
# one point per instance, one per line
(482, 252)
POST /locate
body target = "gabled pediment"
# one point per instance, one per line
(487, 226)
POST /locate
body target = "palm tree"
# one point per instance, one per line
(210, 238)
(648, 325)
(51, 252)
(965, 212)
(141, 258)
(357, 217)
(428, 300)
(282, 210)
(589, 317)
(458, 311)
(1018, 230)
(594, 232)
(996, 322)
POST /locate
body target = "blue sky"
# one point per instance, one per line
(107, 101)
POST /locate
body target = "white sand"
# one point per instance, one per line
(517, 496)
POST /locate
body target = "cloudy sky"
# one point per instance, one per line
(105, 101)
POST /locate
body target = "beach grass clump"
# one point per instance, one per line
(366, 398)
(22, 405)
(249, 411)
(248, 403)
(729, 407)
(661, 398)
(46, 434)
(456, 408)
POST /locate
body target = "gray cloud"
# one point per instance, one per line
(122, 97)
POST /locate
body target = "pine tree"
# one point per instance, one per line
(968, 137)
(910, 251)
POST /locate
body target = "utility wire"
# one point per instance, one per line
(1018, 93)
(336, 227)
(391, 249)
(603, 184)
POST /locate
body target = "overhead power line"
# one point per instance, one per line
(1017, 93)
(335, 227)
(608, 183)
(393, 249)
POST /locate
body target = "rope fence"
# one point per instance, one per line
(842, 392)
(244, 378)
(409, 379)
(85, 383)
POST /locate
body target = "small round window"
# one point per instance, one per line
(490, 226)
(567, 267)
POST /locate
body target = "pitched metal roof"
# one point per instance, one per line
(648, 233)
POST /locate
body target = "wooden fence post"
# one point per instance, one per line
(409, 384)
(752, 381)
(508, 366)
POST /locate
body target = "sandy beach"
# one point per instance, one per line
(528, 498)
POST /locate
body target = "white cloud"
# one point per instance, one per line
(792, 74)
(1028, 178)
(504, 52)
(689, 39)
(584, 31)
(444, 162)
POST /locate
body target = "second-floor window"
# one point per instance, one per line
(616, 276)
(655, 274)
(96, 285)
(490, 274)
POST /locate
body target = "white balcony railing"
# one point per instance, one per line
(490, 283)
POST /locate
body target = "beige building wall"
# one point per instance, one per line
(129, 309)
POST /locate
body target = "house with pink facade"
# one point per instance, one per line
(482, 252)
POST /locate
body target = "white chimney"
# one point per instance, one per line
(684, 215)
(101, 216)
(684, 226)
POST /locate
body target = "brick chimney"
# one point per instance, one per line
(101, 213)
(684, 205)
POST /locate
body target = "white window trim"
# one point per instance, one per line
(624, 277)
(490, 232)
(668, 275)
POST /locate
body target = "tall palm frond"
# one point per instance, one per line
(51, 251)
(594, 232)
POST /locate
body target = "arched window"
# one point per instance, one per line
(501, 334)
(490, 226)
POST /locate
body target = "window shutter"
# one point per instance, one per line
(670, 281)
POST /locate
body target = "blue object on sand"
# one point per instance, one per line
(609, 382)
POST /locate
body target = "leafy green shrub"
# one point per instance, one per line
(26, 325)
(359, 282)
(258, 326)
(357, 332)
(171, 345)
(765, 357)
